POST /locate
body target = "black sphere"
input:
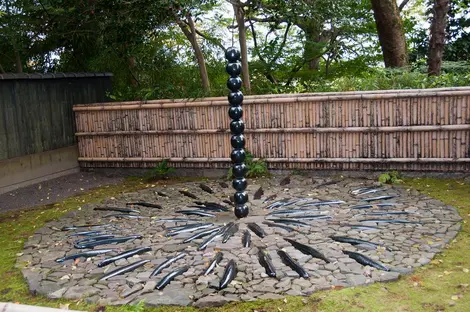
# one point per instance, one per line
(241, 211)
(235, 112)
(235, 98)
(234, 83)
(239, 170)
(238, 141)
(232, 55)
(238, 156)
(233, 69)
(240, 184)
(237, 127)
(241, 198)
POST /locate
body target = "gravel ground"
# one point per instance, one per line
(403, 233)
(55, 190)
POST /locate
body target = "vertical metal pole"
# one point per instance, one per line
(237, 126)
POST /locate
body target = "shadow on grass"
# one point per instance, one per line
(443, 285)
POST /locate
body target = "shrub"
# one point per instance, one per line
(161, 171)
(256, 168)
(390, 177)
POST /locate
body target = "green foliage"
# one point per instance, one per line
(151, 58)
(392, 177)
(256, 168)
(138, 307)
(160, 171)
(389, 79)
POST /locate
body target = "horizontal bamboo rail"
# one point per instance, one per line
(274, 100)
(272, 96)
(282, 160)
(374, 130)
(289, 130)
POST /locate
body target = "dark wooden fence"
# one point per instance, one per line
(36, 109)
(396, 129)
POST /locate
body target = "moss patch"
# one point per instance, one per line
(443, 285)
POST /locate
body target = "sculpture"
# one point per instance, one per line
(237, 127)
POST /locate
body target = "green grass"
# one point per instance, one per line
(440, 286)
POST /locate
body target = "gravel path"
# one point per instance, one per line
(421, 228)
(54, 190)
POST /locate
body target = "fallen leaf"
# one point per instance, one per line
(454, 297)
(64, 306)
(465, 270)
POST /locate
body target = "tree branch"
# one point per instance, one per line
(238, 3)
(403, 4)
(210, 39)
(255, 42)
(283, 43)
(294, 71)
(270, 19)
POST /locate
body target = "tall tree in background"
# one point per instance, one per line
(440, 9)
(239, 10)
(189, 29)
(391, 32)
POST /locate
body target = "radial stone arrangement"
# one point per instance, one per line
(235, 98)
(181, 245)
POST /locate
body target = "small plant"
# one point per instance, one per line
(391, 177)
(296, 172)
(256, 168)
(161, 171)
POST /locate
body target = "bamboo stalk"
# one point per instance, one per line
(281, 160)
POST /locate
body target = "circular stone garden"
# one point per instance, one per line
(182, 245)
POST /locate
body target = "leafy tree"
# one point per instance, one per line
(458, 31)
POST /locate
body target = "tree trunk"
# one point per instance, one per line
(437, 40)
(312, 49)
(131, 68)
(391, 33)
(240, 16)
(19, 64)
(192, 37)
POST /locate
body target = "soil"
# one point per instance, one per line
(54, 190)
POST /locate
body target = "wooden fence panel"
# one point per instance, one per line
(402, 129)
(36, 109)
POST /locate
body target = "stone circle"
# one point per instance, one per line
(400, 246)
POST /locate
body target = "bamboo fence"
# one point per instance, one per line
(414, 130)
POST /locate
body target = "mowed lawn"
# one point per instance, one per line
(443, 285)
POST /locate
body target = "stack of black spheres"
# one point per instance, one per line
(238, 155)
